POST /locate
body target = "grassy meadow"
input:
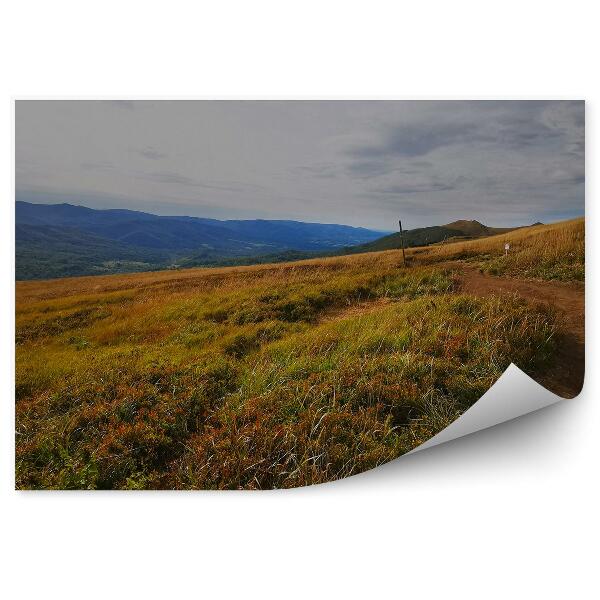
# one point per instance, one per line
(270, 376)
(550, 252)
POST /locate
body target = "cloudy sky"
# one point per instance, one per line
(354, 162)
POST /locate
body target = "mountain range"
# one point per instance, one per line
(59, 240)
(62, 240)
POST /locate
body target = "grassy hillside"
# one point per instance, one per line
(267, 376)
(554, 251)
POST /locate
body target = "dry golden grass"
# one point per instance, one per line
(205, 278)
(252, 377)
(554, 251)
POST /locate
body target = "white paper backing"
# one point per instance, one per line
(513, 395)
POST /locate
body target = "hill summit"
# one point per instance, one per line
(471, 228)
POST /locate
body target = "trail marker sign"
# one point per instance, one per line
(506, 248)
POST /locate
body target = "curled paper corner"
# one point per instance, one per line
(513, 395)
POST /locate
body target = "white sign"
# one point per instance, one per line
(507, 246)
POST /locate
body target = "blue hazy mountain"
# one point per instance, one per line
(57, 240)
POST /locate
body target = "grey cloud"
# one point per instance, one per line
(98, 166)
(423, 138)
(568, 120)
(415, 140)
(522, 133)
(170, 177)
(567, 177)
(366, 169)
(414, 189)
(151, 153)
(324, 171)
(421, 164)
(174, 178)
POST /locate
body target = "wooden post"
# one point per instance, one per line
(402, 242)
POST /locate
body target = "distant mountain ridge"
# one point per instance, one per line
(57, 240)
(174, 232)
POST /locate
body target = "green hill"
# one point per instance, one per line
(424, 236)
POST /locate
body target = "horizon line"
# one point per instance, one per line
(171, 216)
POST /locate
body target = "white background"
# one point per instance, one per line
(511, 512)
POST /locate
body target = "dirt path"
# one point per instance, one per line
(566, 377)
